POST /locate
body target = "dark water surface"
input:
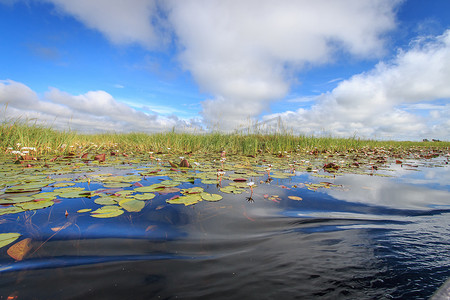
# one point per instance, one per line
(369, 238)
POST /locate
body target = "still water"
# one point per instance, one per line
(367, 237)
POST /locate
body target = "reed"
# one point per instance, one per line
(17, 134)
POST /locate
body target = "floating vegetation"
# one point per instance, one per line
(8, 238)
(109, 180)
(25, 188)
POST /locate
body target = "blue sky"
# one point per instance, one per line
(372, 69)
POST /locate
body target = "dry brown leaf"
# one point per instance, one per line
(20, 249)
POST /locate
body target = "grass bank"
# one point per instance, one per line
(17, 135)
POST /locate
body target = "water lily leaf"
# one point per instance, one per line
(29, 187)
(211, 197)
(183, 178)
(10, 210)
(35, 205)
(184, 163)
(45, 195)
(100, 157)
(106, 209)
(240, 179)
(84, 210)
(64, 184)
(7, 202)
(169, 190)
(20, 249)
(130, 178)
(124, 193)
(8, 238)
(150, 188)
(209, 181)
(72, 192)
(186, 200)
(322, 176)
(231, 190)
(280, 175)
(105, 201)
(80, 194)
(18, 199)
(107, 212)
(145, 196)
(193, 190)
(295, 198)
(132, 205)
(62, 179)
(239, 184)
(69, 189)
(169, 183)
(116, 184)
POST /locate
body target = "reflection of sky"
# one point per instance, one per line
(389, 193)
(436, 178)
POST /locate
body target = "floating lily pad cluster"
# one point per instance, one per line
(41, 183)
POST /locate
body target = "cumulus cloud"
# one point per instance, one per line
(93, 111)
(375, 103)
(244, 53)
(123, 22)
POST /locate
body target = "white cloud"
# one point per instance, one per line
(245, 55)
(93, 111)
(123, 22)
(373, 104)
(244, 52)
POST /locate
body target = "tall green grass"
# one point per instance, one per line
(17, 134)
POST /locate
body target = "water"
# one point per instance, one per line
(369, 237)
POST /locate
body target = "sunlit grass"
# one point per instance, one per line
(14, 135)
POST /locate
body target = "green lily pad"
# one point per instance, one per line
(124, 193)
(45, 195)
(35, 205)
(241, 185)
(19, 199)
(150, 188)
(210, 197)
(10, 210)
(322, 176)
(231, 190)
(186, 200)
(63, 179)
(209, 181)
(145, 196)
(105, 201)
(84, 210)
(169, 190)
(69, 189)
(128, 179)
(64, 184)
(8, 238)
(132, 205)
(106, 208)
(116, 184)
(29, 187)
(72, 192)
(169, 183)
(280, 175)
(193, 190)
(107, 214)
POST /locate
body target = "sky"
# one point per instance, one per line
(377, 69)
